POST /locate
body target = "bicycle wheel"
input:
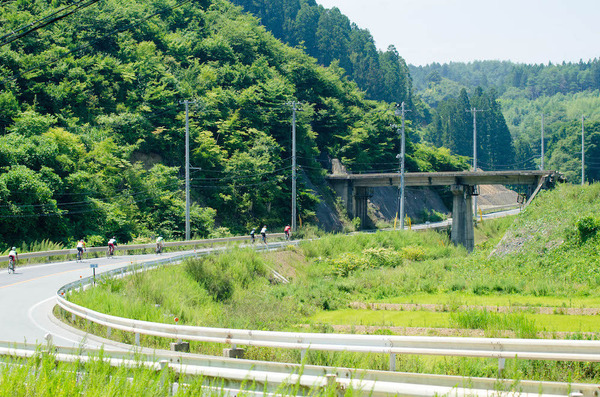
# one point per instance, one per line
(11, 266)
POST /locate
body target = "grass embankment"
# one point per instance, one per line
(547, 258)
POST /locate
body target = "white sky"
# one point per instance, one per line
(525, 31)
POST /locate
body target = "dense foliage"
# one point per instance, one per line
(330, 37)
(538, 80)
(561, 93)
(92, 125)
(453, 128)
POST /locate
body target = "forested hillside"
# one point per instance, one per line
(92, 124)
(562, 93)
(329, 36)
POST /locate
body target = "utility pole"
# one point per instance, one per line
(542, 145)
(401, 111)
(295, 108)
(582, 152)
(187, 168)
(474, 112)
(402, 155)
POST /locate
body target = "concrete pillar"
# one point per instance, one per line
(360, 204)
(462, 216)
(344, 190)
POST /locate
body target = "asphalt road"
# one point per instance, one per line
(29, 295)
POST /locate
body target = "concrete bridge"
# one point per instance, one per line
(354, 191)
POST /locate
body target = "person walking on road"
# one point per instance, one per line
(263, 234)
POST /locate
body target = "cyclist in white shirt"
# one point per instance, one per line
(112, 243)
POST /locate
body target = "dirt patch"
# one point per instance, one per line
(422, 331)
(287, 263)
(383, 203)
(570, 311)
(492, 196)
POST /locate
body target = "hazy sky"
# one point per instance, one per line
(527, 31)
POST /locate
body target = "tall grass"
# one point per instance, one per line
(494, 323)
(43, 376)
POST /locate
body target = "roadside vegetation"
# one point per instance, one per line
(534, 275)
(44, 376)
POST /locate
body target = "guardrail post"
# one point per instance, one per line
(164, 369)
(501, 362)
(331, 381)
(137, 338)
(302, 355)
(108, 332)
(392, 361)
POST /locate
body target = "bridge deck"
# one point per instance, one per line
(443, 178)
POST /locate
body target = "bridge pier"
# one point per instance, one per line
(360, 204)
(462, 216)
(354, 198)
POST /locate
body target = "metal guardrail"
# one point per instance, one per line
(498, 348)
(270, 376)
(133, 247)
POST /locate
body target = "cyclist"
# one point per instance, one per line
(13, 257)
(263, 233)
(286, 230)
(112, 243)
(252, 234)
(80, 248)
(159, 244)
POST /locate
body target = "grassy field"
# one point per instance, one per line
(545, 257)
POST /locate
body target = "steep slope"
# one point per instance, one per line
(93, 124)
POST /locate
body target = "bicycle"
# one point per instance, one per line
(11, 265)
(79, 256)
(110, 251)
(159, 249)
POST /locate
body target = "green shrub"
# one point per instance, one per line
(347, 263)
(382, 257)
(413, 253)
(216, 280)
(588, 227)
(480, 288)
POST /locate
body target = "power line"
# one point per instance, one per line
(40, 23)
(84, 46)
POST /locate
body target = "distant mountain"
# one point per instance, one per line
(536, 80)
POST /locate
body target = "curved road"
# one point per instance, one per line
(29, 295)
